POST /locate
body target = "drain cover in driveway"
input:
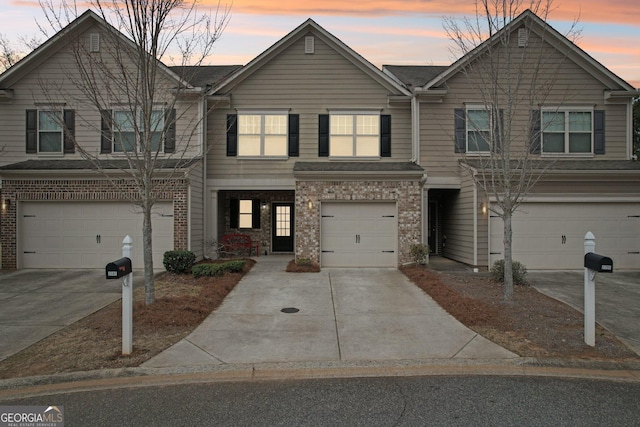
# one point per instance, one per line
(290, 310)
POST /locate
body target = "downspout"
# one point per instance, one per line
(415, 129)
(203, 148)
(630, 129)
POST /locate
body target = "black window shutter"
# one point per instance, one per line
(598, 132)
(536, 135)
(385, 135)
(323, 135)
(498, 130)
(460, 130)
(32, 131)
(69, 117)
(255, 213)
(106, 144)
(234, 213)
(294, 135)
(170, 130)
(232, 135)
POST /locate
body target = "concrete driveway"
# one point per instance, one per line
(617, 299)
(340, 315)
(37, 303)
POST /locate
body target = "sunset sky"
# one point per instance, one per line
(388, 31)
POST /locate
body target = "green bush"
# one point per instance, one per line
(213, 270)
(179, 262)
(518, 269)
(419, 253)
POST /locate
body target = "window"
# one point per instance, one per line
(245, 214)
(124, 130)
(354, 135)
(567, 132)
(262, 135)
(50, 131)
(478, 131)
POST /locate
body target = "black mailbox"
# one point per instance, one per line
(598, 263)
(119, 268)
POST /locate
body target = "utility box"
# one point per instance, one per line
(598, 263)
(119, 268)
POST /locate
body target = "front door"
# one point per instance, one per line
(282, 227)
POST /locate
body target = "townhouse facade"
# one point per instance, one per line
(313, 151)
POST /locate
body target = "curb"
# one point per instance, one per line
(73, 382)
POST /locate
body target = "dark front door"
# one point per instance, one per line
(282, 227)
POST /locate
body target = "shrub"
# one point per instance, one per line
(419, 253)
(214, 270)
(179, 262)
(305, 262)
(518, 270)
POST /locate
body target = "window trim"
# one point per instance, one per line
(61, 131)
(566, 110)
(467, 130)
(115, 130)
(354, 114)
(262, 114)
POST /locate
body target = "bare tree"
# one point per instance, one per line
(513, 74)
(11, 53)
(151, 98)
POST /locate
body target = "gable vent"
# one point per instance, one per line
(94, 42)
(309, 45)
(523, 37)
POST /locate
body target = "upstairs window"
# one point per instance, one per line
(125, 135)
(478, 131)
(50, 131)
(567, 132)
(121, 131)
(354, 135)
(263, 135)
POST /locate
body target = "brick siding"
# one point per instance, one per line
(85, 190)
(405, 193)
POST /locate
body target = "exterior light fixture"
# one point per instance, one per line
(484, 208)
(264, 206)
(310, 204)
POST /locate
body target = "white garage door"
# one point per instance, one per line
(551, 235)
(88, 234)
(359, 234)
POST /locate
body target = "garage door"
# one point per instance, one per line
(359, 234)
(88, 234)
(551, 235)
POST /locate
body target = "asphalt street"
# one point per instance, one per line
(403, 401)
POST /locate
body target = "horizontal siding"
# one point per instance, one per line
(570, 85)
(458, 225)
(307, 85)
(57, 80)
(196, 210)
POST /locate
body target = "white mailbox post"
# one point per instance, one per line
(127, 300)
(122, 268)
(593, 263)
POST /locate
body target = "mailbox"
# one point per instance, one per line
(119, 268)
(598, 263)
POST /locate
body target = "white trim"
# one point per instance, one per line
(415, 130)
(475, 224)
(251, 184)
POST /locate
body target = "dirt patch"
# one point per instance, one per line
(95, 342)
(310, 267)
(532, 324)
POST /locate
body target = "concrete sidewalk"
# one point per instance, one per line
(343, 315)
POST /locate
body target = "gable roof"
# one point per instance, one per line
(595, 68)
(56, 42)
(336, 44)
